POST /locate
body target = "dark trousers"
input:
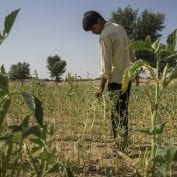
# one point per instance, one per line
(119, 114)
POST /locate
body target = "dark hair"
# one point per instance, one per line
(90, 18)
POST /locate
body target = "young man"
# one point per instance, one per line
(115, 59)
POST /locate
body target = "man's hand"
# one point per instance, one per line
(101, 87)
(98, 94)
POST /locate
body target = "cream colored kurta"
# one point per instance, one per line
(115, 56)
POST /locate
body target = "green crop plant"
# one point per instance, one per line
(158, 160)
(42, 154)
(17, 141)
(13, 138)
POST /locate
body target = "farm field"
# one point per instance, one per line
(60, 129)
(82, 125)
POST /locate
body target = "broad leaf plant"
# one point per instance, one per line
(156, 155)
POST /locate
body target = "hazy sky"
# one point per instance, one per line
(54, 27)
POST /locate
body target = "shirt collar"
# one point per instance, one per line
(106, 25)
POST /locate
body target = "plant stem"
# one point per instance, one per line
(155, 114)
(5, 164)
(17, 158)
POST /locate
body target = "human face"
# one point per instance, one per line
(97, 27)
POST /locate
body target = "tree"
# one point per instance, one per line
(126, 17)
(151, 24)
(19, 71)
(138, 26)
(56, 66)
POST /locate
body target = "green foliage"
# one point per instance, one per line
(72, 82)
(149, 23)
(2, 69)
(33, 103)
(127, 17)
(142, 45)
(35, 140)
(11, 138)
(41, 155)
(15, 139)
(132, 71)
(4, 87)
(4, 106)
(56, 66)
(171, 41)
(19, 71)
(81, 124)
(8, 23)
(138, 26)
(156, 128)
(35, 106)
(165, 157)
(155, 48)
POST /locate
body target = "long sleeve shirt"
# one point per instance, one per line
(115, 56)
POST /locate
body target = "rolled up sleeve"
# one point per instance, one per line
(106, 58)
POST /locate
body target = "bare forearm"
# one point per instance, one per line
(102, 84)
(101, 87)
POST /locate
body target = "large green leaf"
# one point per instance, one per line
(172, 74)
(156, 45)
(162, 170)
(61, 166)
(3, 84)
(34, 130)
(45, 155)
(158, 129)
(132, 71)
(4, 106)
(144, 130)
(35, 106)
(1, 37)
(142, 45)
(25, 123)
(171, 41)
(3, 90)
(148, 42)
(67, 170)
(38, 142)
(163, 79)
(9, 21)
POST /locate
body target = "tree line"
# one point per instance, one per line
(21, 70)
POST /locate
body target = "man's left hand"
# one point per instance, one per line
(98, 94)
